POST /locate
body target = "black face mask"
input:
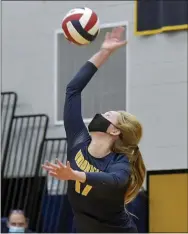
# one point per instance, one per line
(99, 124)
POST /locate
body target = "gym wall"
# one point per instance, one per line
(157, 72)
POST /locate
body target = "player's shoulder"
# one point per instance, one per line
(120, 161)
(121, 158)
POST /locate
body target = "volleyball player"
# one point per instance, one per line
(105, 168)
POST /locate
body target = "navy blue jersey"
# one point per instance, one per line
(98, 204)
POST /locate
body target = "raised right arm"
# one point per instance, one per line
(75, 128)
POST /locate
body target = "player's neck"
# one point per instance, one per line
(100, 146)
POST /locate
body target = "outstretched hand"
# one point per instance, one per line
(59, 170)
(113, 40)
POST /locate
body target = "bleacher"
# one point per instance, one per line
(25, 147)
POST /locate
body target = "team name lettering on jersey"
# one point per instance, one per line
(85, 166)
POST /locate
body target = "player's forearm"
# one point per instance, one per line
(99, 179)
(104, 179)
(100, 58)
(84, 75)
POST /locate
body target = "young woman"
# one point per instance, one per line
(105, 168)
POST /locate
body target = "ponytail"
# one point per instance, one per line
(138, 169)
(138, 173)
(127, 144)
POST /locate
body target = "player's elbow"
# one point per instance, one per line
(70, 90)
(118, 181)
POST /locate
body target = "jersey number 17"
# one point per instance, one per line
(83, 191)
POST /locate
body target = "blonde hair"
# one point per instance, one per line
(127, 143)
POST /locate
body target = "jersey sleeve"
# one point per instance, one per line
(75, 128)
(117, 176)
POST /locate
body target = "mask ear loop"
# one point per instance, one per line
(120, 135)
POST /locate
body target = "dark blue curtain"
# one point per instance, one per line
(139, 207)
(57, 214)
(155, 16)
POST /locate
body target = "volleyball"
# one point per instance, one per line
(81, 26)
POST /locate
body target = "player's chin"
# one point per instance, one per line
(98, 133)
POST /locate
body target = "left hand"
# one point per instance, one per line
(59, 170)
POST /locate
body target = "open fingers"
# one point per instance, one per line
(121, 33)
(59, 163)
(48, 168)
(68, 165)
(113, 33)
(117, 32)
(54, 174)
(107, 36)
(122, 43)
(55, 166)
